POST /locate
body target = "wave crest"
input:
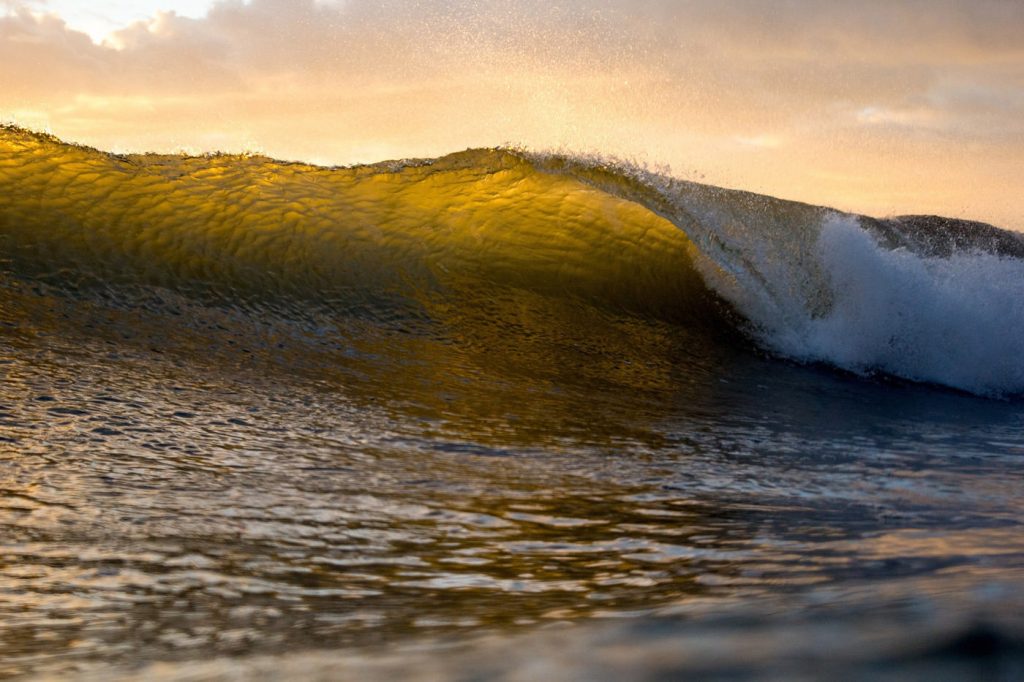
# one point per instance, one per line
(927, 299)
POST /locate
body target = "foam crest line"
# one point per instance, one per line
(925, 298)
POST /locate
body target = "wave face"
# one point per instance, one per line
(923, 298)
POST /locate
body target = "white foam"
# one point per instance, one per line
(956, 321)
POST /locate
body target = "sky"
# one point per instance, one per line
(882, 107)
(100, 18)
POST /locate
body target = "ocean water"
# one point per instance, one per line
(497, 415)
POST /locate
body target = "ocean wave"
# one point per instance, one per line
(923, 298)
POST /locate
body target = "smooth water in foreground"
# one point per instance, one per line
(553, 455)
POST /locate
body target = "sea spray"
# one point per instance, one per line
(956, 321)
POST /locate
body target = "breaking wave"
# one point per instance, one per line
(923, 298)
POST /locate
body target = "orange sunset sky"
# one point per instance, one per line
(877, 106)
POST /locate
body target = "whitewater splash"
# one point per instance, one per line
(925, 299)
(955, 320)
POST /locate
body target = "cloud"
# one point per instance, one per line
(812, 49)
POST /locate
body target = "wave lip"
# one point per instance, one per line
(927, 299)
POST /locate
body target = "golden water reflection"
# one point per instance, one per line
(215, 482)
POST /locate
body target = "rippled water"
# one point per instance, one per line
(210, 493)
